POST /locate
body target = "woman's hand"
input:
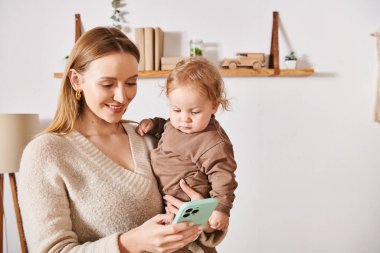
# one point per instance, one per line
(154, 236)
(172, 203)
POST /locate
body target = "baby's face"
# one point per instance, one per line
(190, 110)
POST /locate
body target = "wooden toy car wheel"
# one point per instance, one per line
(232, 65)
(256, 65)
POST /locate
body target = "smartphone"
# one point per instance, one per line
(196, 211)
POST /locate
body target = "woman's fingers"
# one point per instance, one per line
(161, 218)
(181, 235)
(171, 208)
(172, 203)
(189, 191)
(153, 236)
(179, 241)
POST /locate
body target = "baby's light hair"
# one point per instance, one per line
(201, 74)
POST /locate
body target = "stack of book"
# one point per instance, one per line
(150, 42)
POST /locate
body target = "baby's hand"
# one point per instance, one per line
(219, 220)
(144, 126)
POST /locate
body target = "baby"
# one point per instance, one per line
(192, 145)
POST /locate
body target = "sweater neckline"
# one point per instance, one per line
(100, 157)
(139, 180)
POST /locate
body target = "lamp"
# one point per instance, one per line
(16, 130)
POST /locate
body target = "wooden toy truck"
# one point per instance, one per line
(252, 60)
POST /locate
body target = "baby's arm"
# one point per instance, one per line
(219, 165)
(153, 126)
(144, 126)
(219, 220)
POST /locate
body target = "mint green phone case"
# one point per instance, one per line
(197, 211)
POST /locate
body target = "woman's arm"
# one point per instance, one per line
(45, 205)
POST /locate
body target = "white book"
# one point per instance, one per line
(140, 43)
(149, 48)
(158, 47)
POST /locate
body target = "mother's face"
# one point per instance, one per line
(109, 85)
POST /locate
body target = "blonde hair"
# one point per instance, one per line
(199, 73)
(94, 44)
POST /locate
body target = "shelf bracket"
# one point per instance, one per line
(78, 29)
(274, 59)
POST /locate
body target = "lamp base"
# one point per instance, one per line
(12, 182)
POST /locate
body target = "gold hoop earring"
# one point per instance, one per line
(78, 94)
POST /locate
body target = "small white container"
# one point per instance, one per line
(291, 64)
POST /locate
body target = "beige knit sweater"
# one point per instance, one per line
(73, 198)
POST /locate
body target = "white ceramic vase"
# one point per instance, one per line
(291, 64)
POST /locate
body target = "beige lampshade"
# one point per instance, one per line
(16, 130)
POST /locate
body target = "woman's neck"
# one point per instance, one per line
(92, 125)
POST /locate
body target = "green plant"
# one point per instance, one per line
(116, 17)
(196, 51)
(291, 57)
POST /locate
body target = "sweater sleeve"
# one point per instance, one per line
(219, 165)
(44, 204)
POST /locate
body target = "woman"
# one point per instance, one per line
(85, 184)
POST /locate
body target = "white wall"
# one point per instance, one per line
(307, 148)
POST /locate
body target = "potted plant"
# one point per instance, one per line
(116, 17)
(196, 47)
(291, 60)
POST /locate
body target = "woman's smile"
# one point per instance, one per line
(117, 108)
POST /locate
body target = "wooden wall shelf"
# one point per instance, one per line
(240, 72)
(273, 70)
